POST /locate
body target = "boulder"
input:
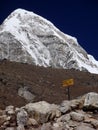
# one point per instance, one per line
(65, 107)
(27, 95)
(22, 117)
(76, 116)
(91, 102)
(42, 111)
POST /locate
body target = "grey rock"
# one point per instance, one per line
(65, 106)
(64, 118)
(46, 126)
(22, 117)
(23, 92)
(10, 128)
(76, 116)
(10, 110)
(94, 122)
(84, 127)
(91, 101)
(73, 124)
(20, 127)
(42, 111)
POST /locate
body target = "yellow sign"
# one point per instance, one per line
(68, 82)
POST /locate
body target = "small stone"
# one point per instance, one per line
(32, 122)
(64, 118)
(46, 126)
(84, 127)
(20, 127)
(2, 119)
(10, 128)
(58, 113)
(94, 122)
(10, 110)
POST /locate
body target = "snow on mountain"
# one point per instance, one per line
(29, 38)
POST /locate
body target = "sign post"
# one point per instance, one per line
(68, 83)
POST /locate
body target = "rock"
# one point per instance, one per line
(72, 124)
(23, 92)
(54, 114)
(6, 124)
(22, 117)
(64, 118)
(60, 126)
(76, 116)
(1, 112)
(10, 128)
(77, 103)
(2, 119)
(84, 127)
(94, 122)
(91, 101)
(20, 127)
(46, 126)
(65, 107)
(32, 122)
(42, 111)
(57, 113)
(10, 110)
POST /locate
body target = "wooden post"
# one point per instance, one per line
(68, 93)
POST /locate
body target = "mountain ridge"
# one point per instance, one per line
(29, 38)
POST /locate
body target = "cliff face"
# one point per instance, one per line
(27, 37)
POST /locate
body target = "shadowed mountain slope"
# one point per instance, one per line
(43, 83)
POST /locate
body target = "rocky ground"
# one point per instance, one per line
(22, 83)
(77, 114)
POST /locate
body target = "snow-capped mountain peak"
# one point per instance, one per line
(30, 38)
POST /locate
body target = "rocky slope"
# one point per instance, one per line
(29, 38)
(22, 83)
(69, 115)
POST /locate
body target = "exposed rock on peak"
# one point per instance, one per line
(29, 38)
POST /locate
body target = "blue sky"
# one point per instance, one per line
(78, 18)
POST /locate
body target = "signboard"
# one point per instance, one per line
(68, 82)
